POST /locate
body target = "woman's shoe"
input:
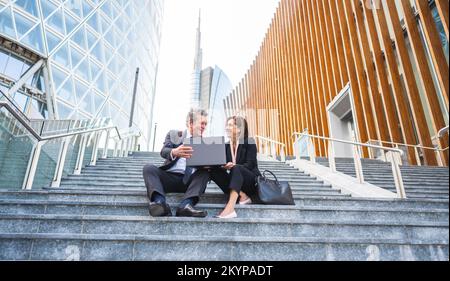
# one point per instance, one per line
(246, 202)
(229, 216)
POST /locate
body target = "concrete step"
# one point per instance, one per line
(139, 178)
(310, 214)
(139, 173)
(128, 184)
(210, 187)
(91, 247)
(316, 192)
(435, 232)
(83, 195)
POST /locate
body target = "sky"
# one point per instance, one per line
(232, 32)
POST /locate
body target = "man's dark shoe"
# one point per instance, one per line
(159, 209)
(189, 211)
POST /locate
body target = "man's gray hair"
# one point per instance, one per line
(193, 113)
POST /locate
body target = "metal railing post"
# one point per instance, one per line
(282, 154)
(439, 157)
(260, 146)
(116, 146)
(121, 148)
(56, 182)
(273, 151)
(105, 151)
(398, 180)
(331, 159)
(127, 147)
(416, 152)
(358, 165)
(95, 149)
(80, 157)
(311, 151)
(32, 165)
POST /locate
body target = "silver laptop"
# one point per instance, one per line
(208, 151)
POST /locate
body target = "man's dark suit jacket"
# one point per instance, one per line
(173, 140)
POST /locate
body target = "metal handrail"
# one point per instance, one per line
(265, 151)
(85, 136)
(39, 138)
(11, 102)
(442, 132)
(436, 149)
(398, 180)
(351, 142)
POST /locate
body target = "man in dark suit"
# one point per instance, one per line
(174, 176)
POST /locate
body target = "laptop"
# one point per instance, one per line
(208, 151)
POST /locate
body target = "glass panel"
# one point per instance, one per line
(95, 23)
(23, 24)
(52, 41)
(14, 68)
(80, 88)
(67, 93)
(71, 23)
(95, 69)
(79, 38)
(28, 5)
(91, 38)
(76, 55)
(3, 61)
(6, 23)
(97, 51)
(75, 7)
(16, 146)
(58, 77)
(20, 100)
(98, 102)
(71, 156)
(56, 21)
(64, 111)
(100, 83)
(47, 8)
(440, 28)
(83, 70)
(89, 150)
(86, 8)
(86, 103)
(62, 56)
(47, 163)
(34, 39)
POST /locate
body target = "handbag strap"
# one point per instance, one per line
(264, 175)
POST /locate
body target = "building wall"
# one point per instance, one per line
(393, 54)
(92, 49)
(220, 88)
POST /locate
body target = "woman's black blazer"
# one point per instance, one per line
(246, 155)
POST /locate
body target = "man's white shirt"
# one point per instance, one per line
(180, 166)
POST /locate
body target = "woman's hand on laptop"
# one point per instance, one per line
(183, 152)
(229, 166)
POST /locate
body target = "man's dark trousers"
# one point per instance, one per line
(164, 182)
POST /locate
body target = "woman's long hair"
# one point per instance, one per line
(242, 124)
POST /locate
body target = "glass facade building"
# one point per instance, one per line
(221, 87)
(90, 51)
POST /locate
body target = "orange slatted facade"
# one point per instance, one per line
(390, 53)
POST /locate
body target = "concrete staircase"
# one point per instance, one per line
(419, 182)
(103, 215)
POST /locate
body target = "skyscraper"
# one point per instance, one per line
(80, 58)
(209, 87)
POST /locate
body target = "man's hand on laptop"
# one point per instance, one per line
(229, 166)
(182, 152)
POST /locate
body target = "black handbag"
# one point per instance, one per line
(274, 192)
